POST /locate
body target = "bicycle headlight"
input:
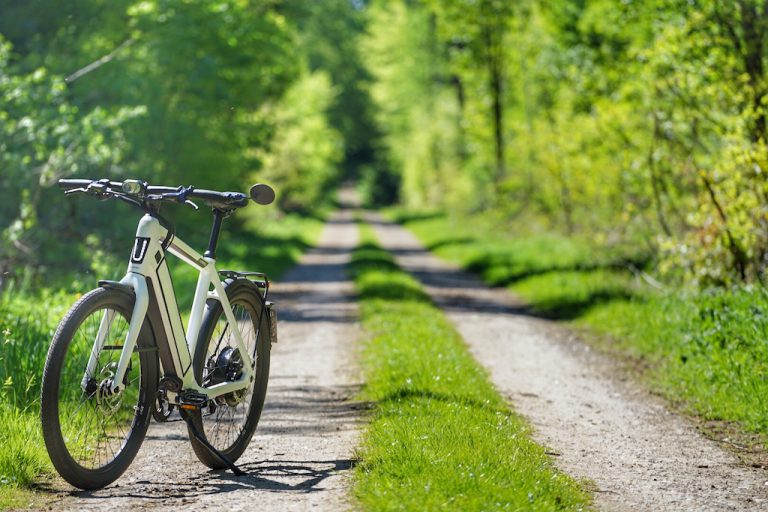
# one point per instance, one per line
(133, 187)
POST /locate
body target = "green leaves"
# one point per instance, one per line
(635, 123)
(303, 158)
(194, 92)
(44, 137)
(639, 123)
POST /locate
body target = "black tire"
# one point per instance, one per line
(228, 422)
(91, 436)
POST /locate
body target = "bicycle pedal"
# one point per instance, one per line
(192, 400)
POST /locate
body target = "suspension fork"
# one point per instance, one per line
(98, 346)
(139, 285)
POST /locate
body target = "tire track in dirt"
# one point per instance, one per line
(301, 455)
(600, 427)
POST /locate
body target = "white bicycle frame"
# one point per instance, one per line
(148, 263)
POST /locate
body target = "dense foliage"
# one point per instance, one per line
(215, 94)
(639, 123)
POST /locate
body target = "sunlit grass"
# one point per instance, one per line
(705, 350)
(27, 323)
(440, 436)
(23, 455)
(708, 350)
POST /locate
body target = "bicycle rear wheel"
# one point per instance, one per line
(91, 435)
(229, 421)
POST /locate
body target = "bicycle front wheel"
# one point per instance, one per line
(93, 435)
(229, 421)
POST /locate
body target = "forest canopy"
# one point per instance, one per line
(640, 125)
(214, 94)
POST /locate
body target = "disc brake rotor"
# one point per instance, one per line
(107, 400)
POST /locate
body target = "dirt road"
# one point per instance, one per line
(302, 453)
(639, 455)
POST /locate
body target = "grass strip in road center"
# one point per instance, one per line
(440, 435)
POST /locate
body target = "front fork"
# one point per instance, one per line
(139, 285)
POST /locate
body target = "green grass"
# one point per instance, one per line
(23, 456)
(27, 323)
(710, 349)
(28, 319)
(707, 351)
(440, 435)
(483, 246)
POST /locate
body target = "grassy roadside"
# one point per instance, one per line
(29, 318)
(439, 435)
(705, 351)
(26, 327)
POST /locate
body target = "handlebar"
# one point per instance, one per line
(141, 194)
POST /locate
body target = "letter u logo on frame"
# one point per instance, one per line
(140, 247)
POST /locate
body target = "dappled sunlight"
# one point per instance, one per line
(596, 167)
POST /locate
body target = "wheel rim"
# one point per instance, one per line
(226, 417)
(95, 425)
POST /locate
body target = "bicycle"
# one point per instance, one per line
(122, 350)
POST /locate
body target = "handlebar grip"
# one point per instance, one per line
(70, 184)
(221, 198)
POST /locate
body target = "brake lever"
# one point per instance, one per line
(181, 196)
(98, 194)
(175, 196)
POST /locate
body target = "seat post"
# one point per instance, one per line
(218, 215)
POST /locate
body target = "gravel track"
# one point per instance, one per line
(301, 455)
(598, 425)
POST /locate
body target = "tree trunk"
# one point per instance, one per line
(494, 34)
(740, 260)
(655, 185)
(753, 26)
(498, 120)
(461, 149)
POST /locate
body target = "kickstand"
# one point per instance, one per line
(193, 429)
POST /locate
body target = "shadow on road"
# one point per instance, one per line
(268, 475)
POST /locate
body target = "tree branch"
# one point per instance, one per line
(99, 62)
